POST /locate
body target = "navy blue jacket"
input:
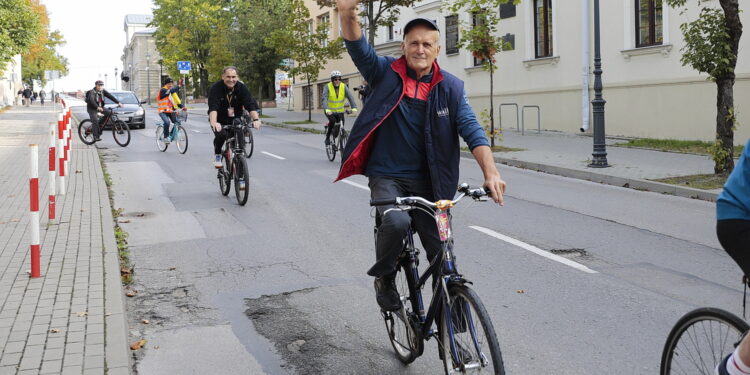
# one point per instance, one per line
(734, 200)
(448, 115)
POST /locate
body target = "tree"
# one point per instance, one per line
(309, 47)
(377, 13)
(255, 57)
(42, 54)
(480, 38)
(19, 28)
(195, 31)
(711, 45)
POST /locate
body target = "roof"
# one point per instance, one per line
(148, 31)
(138, 19)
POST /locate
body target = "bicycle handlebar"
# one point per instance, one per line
(463, 190)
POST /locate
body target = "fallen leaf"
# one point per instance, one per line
(137, 345)
(145, 321)
(141, 215)
(156, 347)
(131, 293)
(77, 171)
(83, 313)
(125, 271)
(172, 268)
(520, 291)
(13, 220)
(107, 314)
(124, 221)
(54, 330)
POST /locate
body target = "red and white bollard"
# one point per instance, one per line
(66, 139)
(60, 154)
(52, 161)
(34, 219)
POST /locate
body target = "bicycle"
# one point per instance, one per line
(177, 134)
(120, 129)
(700, 340)
(340, 136)
(466, 338)
(233, 163)
(182, 116)
(248, 134)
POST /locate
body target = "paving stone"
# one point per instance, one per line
(55, 342)
(14, 347)
(10, 359)
(53, 354)
(72, 370)
(73, 359)
(51, 367)
(95, 349)
(74, 347)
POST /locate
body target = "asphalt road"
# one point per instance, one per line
(279, 286)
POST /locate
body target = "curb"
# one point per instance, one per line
(631, 183)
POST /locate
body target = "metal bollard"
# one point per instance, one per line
(34, 217)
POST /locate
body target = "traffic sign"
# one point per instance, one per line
(184, 67)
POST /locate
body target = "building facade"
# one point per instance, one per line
(140, 58)
(649, 92)
(10, 82)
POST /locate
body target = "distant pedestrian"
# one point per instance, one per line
(33, 96)
(27, 93)
(42, 95)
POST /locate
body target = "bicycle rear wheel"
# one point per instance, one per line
(700, 340)
(160, 144)
(86, 132)
(225, 179)
(400, 324)
(249, 142)
(474, 348)
(121, 132)
(181, 138)
(241, 180)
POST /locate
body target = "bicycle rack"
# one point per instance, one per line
(538, 118)
(500, 115)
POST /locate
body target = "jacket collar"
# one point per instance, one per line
(399, 66)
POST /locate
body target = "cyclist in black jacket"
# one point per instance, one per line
(226, 100)
(95, 104)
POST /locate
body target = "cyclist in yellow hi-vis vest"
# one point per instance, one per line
(335, 93)
(167, 105)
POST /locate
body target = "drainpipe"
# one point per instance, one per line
(585, 60)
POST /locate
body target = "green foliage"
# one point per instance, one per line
(43, 56)
(376, 13)
(309, 48)
(19, 28)
(255, 57)
(707, 48)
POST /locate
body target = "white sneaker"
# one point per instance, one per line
(217, 161)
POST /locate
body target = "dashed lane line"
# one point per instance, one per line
(274, 156)
(533, 249)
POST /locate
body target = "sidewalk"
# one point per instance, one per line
(564, 154)
(71, 319)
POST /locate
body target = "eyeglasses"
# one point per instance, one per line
(336, 79)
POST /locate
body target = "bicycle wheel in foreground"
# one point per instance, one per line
(331, 150)
(86, 132)
(225, 179)
(160, 144)
(121, 132)
(241, 180)
(475, 349)
(700, 340)
(405, 341)
(181, 138)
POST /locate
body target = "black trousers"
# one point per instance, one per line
(332, 118)
(221, 137)
(395, 224)
(95, 121)
(734, 236)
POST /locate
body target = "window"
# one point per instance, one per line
(507, 10)
(390, 33)
(510, 41)
(543, 28)
(325, 20)
(476, 20)
(320, 94)
(648, 23)
(451, 34)
(307, 97)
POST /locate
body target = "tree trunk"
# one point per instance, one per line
(725, 124)
(371, 27)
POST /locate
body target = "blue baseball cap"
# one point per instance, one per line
(420, 21)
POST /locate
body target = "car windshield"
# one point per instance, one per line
(123, 97)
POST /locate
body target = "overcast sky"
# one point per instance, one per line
(95, 34)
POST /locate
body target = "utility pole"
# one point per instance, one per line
(600, 147)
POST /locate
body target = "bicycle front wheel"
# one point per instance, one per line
(249, 143)
(700, 340)
(467, 338)
(160, 144)
(86, 132)
(400, 324)
(331, 150)
(225, 179)
(342, 143)
(181, 138)
(121, 132)
(241, 180)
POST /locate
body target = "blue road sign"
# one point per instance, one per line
(183, 65)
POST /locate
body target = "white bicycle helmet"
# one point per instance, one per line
(335, 73)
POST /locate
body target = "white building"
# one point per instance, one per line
(10, 82)
(140, 58)
(648, 91)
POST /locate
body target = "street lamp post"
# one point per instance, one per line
(130, 79)
(600, 147)
(148, 78)
(161, 74)
(116, 78)
(105, 80)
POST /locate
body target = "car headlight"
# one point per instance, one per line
(139, 112)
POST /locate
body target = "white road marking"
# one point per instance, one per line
(273, 156)
(363, 187)
(533, 249)
(195, 131)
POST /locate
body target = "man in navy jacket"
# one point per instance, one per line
(406, 138)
